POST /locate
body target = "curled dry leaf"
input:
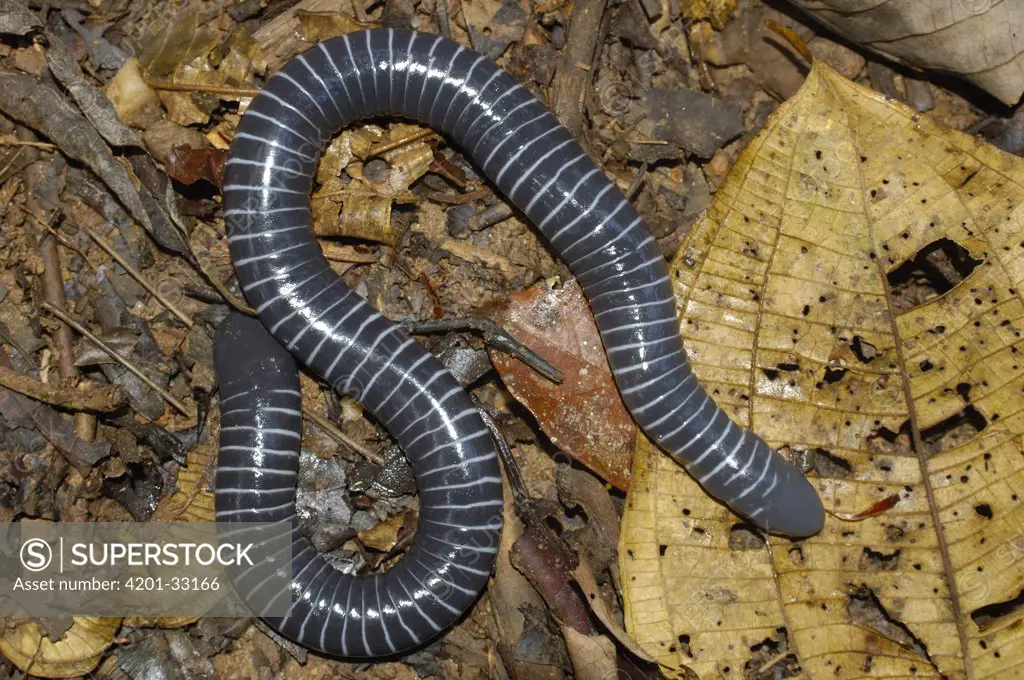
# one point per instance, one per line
(979, 40)
(368, 196)
(584, 416)
(78, 652)
(800, 321)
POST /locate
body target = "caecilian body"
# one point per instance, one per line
(309, 314)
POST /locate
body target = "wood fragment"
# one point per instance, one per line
(101, 399)
(581, 42)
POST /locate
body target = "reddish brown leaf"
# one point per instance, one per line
(584, 415)
(188, 166)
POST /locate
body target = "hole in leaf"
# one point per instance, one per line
(822, 462)
(934, 270)
(863, 350)
(991, 613)
(745, 536)
(865, 609)
(774, 655)
(984, 510)
(684, 645)
(959, 427)
(834, 375)
(873, 560)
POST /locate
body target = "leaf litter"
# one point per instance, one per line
(114, 130)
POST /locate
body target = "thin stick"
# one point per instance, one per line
(337, 435)
(197, 87)
(34, 145)
(441, 7)
(185, 319)
(494, 335)
(85, 332)
(64, 242)
(398, 143)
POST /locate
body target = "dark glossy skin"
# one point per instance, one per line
(532, 159)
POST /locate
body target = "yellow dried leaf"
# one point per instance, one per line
(193, 500)
(187, 50)
(804, 313)
(362, 208)
(715, 12)
(78, 652)
(384, 535)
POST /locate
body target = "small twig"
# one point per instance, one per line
(53, 291)
(581, 46)
(520, 494)
(102, 399)
(198, 87)
(399, 143)
(638, 181)
(127, 266)
(490, 216)
(106, 349)
(337, 435)
(443, 19)
(495, 336)
(35, 145)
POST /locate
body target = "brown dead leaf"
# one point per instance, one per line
(78, 652)
(583, 416)
(980, 40)
(188, 166)
(805, 318)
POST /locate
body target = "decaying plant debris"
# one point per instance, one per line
(883, 352)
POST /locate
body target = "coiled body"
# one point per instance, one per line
(532, 159)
